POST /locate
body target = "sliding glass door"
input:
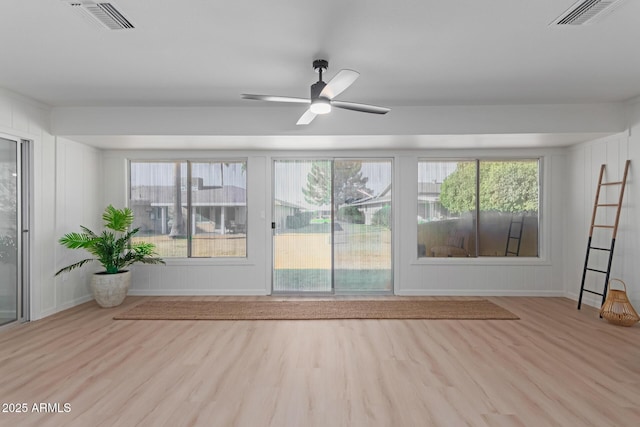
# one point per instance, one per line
(332, 226)
(362, 235)
(10, 232)
(302, 223)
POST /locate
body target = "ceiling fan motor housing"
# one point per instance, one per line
(316, 89)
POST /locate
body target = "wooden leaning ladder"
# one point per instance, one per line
(613, 227)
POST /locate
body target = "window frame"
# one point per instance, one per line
(543, 213)
(189, 259)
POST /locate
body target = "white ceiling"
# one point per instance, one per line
(203, 53)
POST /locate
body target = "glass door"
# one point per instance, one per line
(332, 226)
(362, 233)
(302, 223)
(10, 246)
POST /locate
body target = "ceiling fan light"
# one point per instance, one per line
(320, 106)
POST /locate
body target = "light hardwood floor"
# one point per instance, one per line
(557, 366)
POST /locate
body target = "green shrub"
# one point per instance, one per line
(382, 217)
(350, 214)
(8, 248)
(299, 220)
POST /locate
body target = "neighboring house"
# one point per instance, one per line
(370, 205)
(282, 210)
(429, 206)
(216, 209)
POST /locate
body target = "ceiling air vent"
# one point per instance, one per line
(585, 12)
(104, 15)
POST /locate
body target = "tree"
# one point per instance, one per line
(318, 190)
(348, 183)
(509, 186)
(458, 190)
(177, 226)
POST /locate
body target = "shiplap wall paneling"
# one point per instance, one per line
(24, 118)
(78, 202)
(583, 172)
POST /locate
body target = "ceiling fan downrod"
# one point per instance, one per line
(319, 65)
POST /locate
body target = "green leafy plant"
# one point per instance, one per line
(505, 186)
(113, 247)
(8, 248)
(382, 217)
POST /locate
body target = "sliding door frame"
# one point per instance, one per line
(333, 159)
(23, 185)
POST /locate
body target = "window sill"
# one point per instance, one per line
(482, 261)
(208, 261)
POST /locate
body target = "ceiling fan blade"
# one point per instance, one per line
(306, 118)
(339, 83)
(273, 98)
(364, 108)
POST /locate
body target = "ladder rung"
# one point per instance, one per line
(607, 204)
(596, 270)
(612, 183)
(603, 226)
(592, 292)
(600, 249)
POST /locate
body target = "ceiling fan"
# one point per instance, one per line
(323, 94)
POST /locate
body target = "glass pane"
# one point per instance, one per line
(362, 230)
(158, 199)
(302, 215)
(508, 221)
(446, 207)
(219, 209)
(8, 232)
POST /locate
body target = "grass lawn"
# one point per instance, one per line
(303, 257)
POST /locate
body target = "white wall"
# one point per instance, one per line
(202, 276)
(252, 276)
(62, 197)
(483, 276)
(583, 168)
(65, 196)
(78, 202)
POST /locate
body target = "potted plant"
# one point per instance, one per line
(115, 251)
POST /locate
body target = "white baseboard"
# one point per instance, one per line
(482, 293)
(61, 307)
(196, 292)
(587, 299)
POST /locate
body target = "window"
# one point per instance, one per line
(191, 209)
(469, 208)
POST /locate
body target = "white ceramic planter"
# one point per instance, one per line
(110, 290)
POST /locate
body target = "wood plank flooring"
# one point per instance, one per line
(556, 366)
